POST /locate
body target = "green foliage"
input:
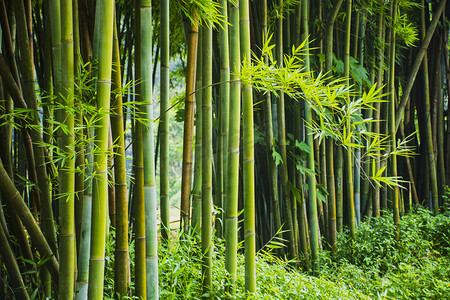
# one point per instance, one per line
(339, 110)
(180, 277)
(416, 267)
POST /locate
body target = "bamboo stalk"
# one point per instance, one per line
(207, 161)
(165, 118)
(196, 221)
(222, 142)
(138, 194)
(151, 227)
(231, 205)
(292, 243)
(103, 38)
(248, 154)
(121, 266)
(186, 172)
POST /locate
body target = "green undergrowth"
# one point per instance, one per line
(373, 266)
(180, 274)
(415, 267)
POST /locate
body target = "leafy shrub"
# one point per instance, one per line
(415, 267)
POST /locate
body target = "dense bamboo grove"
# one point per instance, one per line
(309, 117)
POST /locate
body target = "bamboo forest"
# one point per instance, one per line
(214, 149)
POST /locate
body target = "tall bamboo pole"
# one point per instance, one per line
(138, 195)
(391, 121)
(121, 266)
(429, 136)
(222, 143)
(103, 40)
(304, 230)
(353, 207)
(332, 183)
(151, 228)
(376, 190)
(292, 243)
(165, 117)
(189, 123)
(207, 160)
(196, 220)
(67, 171)
(248, 154)
(231, 205)
(275, 204)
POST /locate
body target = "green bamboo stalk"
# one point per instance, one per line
(349, 155)
(302, 32)
(391, 121)
(84, 248)
(103, 40)
(151, 227)
(429, 135)
(139, 214)
(67, 171)
(121, 266)
(231, 209)
(138, 195)
(207, 161)
(248, 155)
(376, 190)
(196, 221)
(292, 243)
(222, 142)
(164, 130)
(186, 172)
(339, 189)
(440, 127)
(331, 184)
(275, 204)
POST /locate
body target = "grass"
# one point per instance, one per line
(373, 266)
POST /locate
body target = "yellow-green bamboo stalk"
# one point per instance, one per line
(138, 195)
(164, 130)
(151, 224)
(67, 171)
(103, 40)
(196, 220)
(121, 266)
(222, 142)
(188, 135)
(207, 204)
(248, 154)
(349, 154)
(391, 121)
(231, 205)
